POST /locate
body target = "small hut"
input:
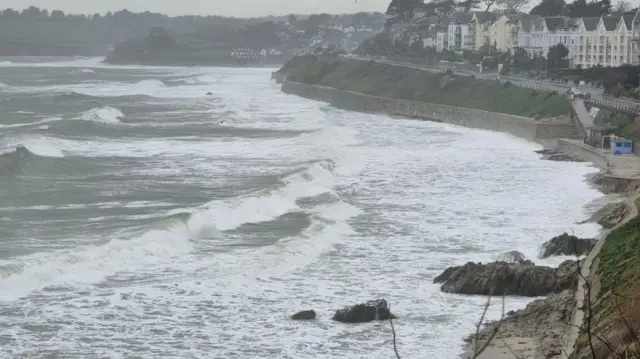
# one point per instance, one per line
(621, 146)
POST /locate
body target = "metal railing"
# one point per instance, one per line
(613, 105)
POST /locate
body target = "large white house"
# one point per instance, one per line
(592, 41)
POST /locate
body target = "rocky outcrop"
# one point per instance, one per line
(361, 313)
(552, 155)
(567, 245)
(610, 215)
(608, 184)
(304, 315)
(545, 320)
(502, 278)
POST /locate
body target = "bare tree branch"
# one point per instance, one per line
(478, 351)
(393, 331)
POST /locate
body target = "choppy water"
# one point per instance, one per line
(144, 219)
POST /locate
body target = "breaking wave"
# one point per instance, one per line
(175, 234)
(106, 114)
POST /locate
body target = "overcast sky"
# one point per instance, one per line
(238, 8)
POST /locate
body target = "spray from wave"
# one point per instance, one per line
(107, 114)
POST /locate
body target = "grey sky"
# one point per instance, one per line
(239, 8)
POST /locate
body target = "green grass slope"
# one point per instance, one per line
(411, 84)
(615, 312)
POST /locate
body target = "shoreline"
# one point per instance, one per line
(507, 346)
(618, 175)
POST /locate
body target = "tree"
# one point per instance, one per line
(312, 23)
(512, 6)
(262, 35)
(402, 11)
(549, 8)
(159, 38)
(521, 60)
(556, 56)
(10, 14)
(622, 6)
(57, 15)
(582, 8)
(360, 19)
(30, 13)
(96, 16)
(292, 19)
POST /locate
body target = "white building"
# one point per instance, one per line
(459, 36)
(537, 34)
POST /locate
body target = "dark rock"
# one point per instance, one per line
(567, 245)
(361, 313)
(552, 155)
(545, 152)
(502, 278)
(209, 93)
(304, 315)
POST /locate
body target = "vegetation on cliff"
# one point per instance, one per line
(405, 83)
(610, 328)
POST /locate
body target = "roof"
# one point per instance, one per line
(554, 23)
(463, 17)
(611, 22)
(628, 20)
(515, 17)
(591, 23)
(527, 21)
(484, 16)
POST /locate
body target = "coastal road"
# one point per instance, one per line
(596, 93)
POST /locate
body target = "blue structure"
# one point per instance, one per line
(621, 146)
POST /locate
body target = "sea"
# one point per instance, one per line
(141, 217)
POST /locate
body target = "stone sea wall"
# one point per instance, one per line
(583, 151)
(519, 126)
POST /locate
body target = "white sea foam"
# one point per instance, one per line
(39, 122)
(106, 114)
(416, 197)
(91, 264)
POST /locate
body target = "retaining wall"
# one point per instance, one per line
(519, 126)
(583, 151)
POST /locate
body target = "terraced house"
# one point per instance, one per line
(604, 41)
(592, 41)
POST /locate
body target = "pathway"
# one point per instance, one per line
(618, 166)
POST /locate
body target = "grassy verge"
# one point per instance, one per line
(616, 308)
(411, 84)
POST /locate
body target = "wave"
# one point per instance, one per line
(92, 263)
(36, 144)
(106, 114)
(176, 234)
(87, 71)
(13, 160)
(43, 121)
